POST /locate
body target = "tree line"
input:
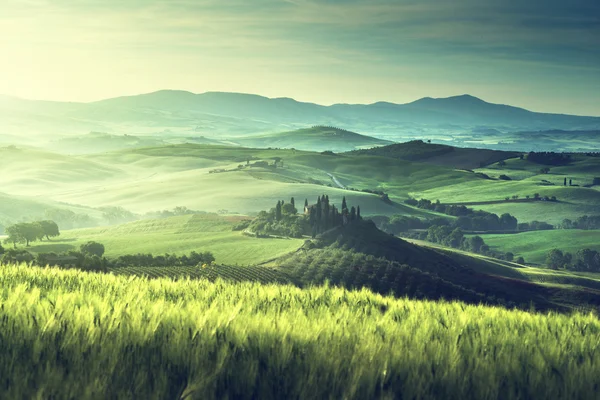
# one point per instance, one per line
(27, 232)
(89, 257)
(584, 222)
(549, 158)
(583, 260)
(468, 219)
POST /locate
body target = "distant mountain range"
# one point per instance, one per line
(239, 114)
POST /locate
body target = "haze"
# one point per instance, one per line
(538, 55)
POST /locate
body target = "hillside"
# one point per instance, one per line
(359, 255)
(438, 154)
(317, 138)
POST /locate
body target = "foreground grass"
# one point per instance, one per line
(68, 334)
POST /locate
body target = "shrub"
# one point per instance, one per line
(92, 249)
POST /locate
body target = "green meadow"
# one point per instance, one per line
(534, 246)
(176, 235)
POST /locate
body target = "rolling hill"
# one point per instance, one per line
(317, 138)
(359, 255)
(439, 154)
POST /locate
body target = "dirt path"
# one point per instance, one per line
(335, 180)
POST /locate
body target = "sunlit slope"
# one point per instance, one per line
(178, 235)
(39, 173)
(561, 288)
(118, 334)
(534, 246)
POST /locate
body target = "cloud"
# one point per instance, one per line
(439, 42)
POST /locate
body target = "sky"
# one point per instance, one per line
(543, 55)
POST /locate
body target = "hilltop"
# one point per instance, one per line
(439, 154)
(317, 138)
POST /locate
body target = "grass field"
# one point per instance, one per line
(81, 335)
(176, 235)
(534, 246)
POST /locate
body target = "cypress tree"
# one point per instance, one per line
(293, 202)
(319, 212)
(305, 202)
(353, 214)
(278, 211)
(344, 205)
(358, 212)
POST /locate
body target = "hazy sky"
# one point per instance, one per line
(540, 54)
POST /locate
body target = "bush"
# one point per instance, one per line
(240, 226)
(92, 249)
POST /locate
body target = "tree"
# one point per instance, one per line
(24, 233)
(455, 238)
(358, 212)
(353, 214)
(586, 258)
(555, 259)
(508, 256)
(508, 222)
(1, 249)
(344, 205)
(14, 235)
(565, 183)
(50, 229)
(520, 260)
(570, 182)
(305, 203)
(293, 202)
(288, 209)
(92, 249)
(475, 244)
(501, 163)
(278, 211)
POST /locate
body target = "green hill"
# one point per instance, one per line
(317, 138)
(439, 154)
(359, 255)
